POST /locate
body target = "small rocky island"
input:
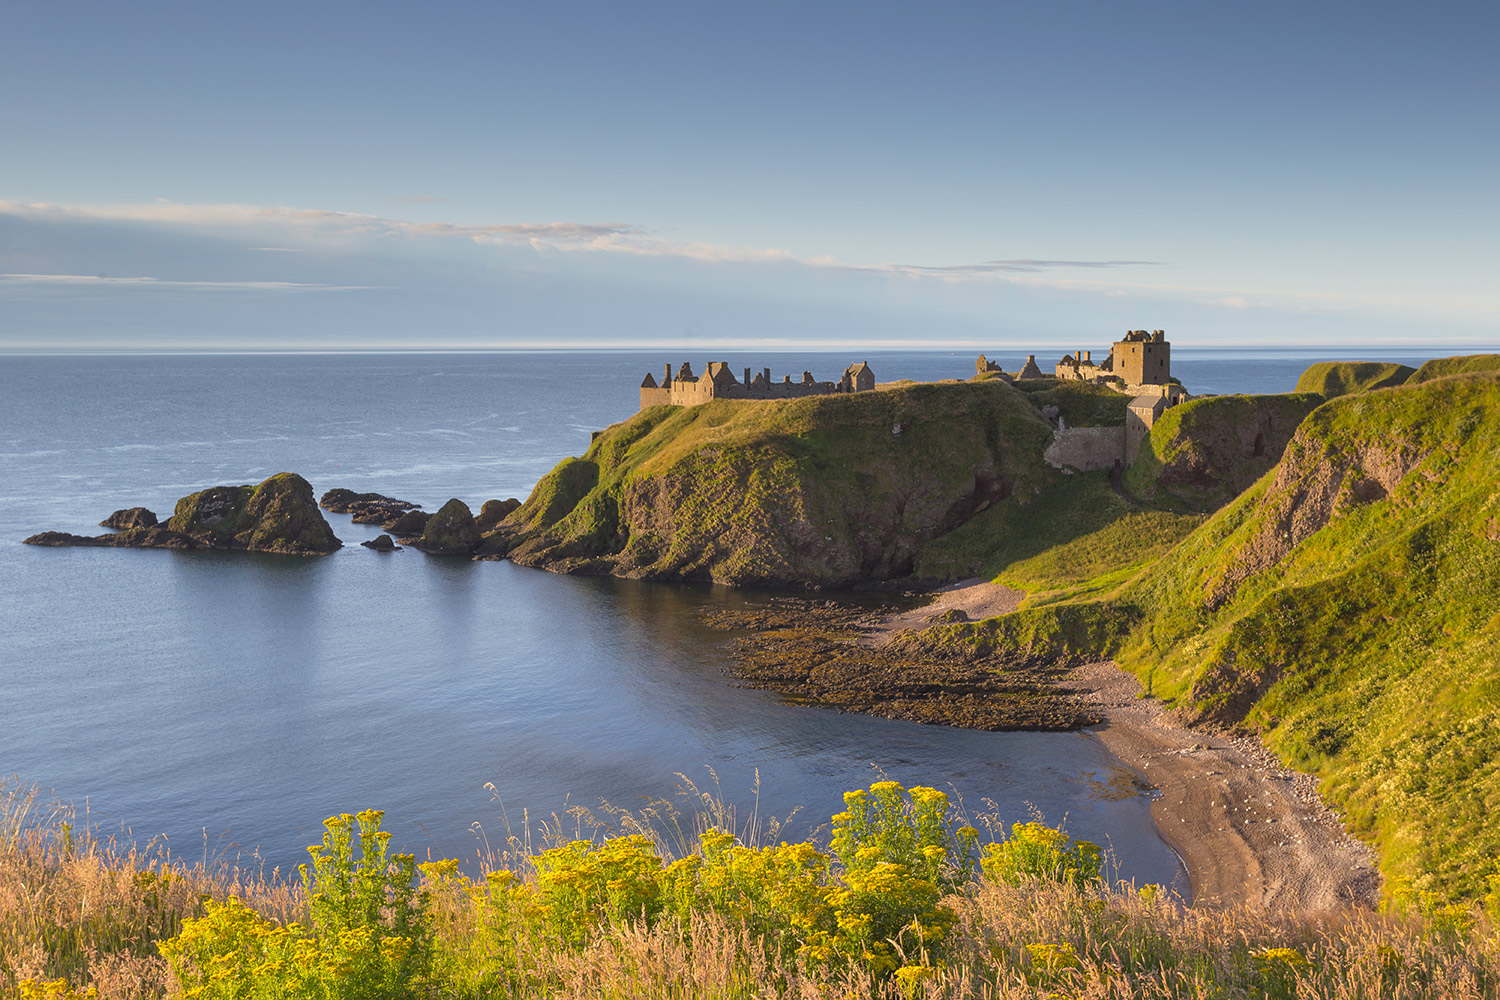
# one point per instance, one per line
(278, 515)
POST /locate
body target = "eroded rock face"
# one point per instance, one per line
(495, 511)
(279, 515)
(131, 517)
(451, 531)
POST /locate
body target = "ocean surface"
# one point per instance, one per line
(224, 703)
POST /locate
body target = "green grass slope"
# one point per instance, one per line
(1463, 364)
(1330, 379)
(824, 491)
(1205, 452)
(1348, 607)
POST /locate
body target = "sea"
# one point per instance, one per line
(220, 705)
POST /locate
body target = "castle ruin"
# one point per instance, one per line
(718, 382)
(1140, 365)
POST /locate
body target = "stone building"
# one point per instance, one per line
(718, 382)
(1139, 365)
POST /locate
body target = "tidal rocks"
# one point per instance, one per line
(495, 511)
(130, 517)
(151, 537)
(367, 508)
(451, 531)
(279, 515)
(410, 523)
(382, 544)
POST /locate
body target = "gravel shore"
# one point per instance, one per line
(1248, 829)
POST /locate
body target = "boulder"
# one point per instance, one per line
(130, 517)
(451, 531)
(382, 544)
(495, 511)
(410, 523)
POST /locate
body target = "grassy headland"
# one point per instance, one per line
(824, 491)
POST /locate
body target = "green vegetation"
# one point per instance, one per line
(450, 531)
(1466, 364)
(901, 903)
(827, 490)
(279, 515)
(1346, 606)
(1340, 378)
(1205, 452)
(1080, 404)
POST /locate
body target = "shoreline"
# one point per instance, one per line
(1248, 829)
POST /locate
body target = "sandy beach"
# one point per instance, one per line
(1249, 830)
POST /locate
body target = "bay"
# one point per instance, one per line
(225, 703)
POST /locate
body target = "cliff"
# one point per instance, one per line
(1206, 452)
(824, 491)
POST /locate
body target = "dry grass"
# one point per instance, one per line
(86, 908)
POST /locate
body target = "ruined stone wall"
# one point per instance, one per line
(1086, 448)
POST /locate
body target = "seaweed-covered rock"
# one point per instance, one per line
(382, 544)
(495, 511)
(130, 517)
(451, 531)
(410, 523)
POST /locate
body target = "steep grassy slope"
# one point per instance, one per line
(1340, 378)
(1348, 606)
(1207, 451)
(829, 490)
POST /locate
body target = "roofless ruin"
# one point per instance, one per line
(718, 382)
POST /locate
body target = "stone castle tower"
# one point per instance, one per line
(1143, 358)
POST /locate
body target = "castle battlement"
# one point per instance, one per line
(718, 382)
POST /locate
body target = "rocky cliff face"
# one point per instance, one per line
(826, 491)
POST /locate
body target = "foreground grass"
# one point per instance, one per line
(898, 904)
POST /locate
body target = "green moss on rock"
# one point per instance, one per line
(450, 531)
(279, 515)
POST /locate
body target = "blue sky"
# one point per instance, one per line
(492, 175)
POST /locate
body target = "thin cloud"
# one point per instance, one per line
(280, 249)
(141, 281)
(1010, 266)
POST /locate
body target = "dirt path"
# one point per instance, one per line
(1248, 829)
(977, 598)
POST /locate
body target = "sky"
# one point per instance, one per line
(451, 176)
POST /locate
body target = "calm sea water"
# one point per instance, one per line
(230, 701)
